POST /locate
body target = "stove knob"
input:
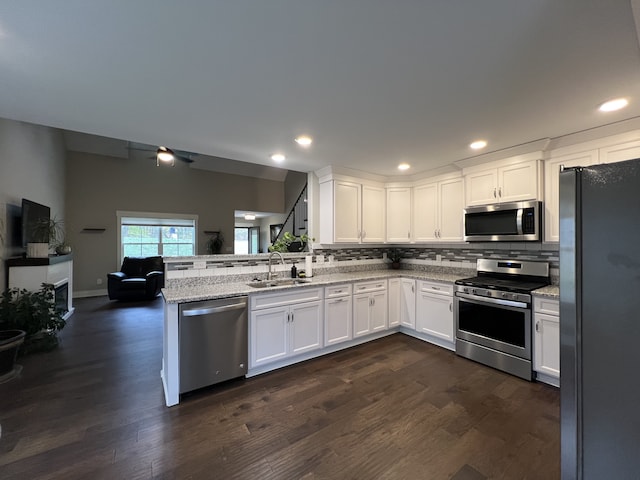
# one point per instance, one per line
(488, 293)
(465, 290)
(474, 291)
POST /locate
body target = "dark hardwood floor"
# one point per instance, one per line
(395, 408)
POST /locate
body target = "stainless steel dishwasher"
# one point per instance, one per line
(213, 342)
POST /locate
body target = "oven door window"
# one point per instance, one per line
(499, 327)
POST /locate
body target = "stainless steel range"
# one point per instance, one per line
(493, 313)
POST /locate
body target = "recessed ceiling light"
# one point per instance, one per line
(304, 141)
(278, 157)
(404, 166)
(613, 105)
(249, 216)
(478, 144)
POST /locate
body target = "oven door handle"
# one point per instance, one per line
(495, 301)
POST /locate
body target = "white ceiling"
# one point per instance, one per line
(375, 82)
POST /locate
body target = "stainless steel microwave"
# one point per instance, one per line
(504, 222)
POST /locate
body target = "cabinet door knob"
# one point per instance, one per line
(500, 191)
(450, 307)
(538, 326)
(494, 193)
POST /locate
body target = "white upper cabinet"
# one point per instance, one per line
(581, 155)
(351, 212)
(437, 211)
(373, 208)
(620, 152)
(425, 212)
(507, 181)
(348, 211)
(450, 218)
(552, 188)
(398, 214)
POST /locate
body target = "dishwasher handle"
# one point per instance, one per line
(195, 312)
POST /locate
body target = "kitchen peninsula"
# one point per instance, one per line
(347, 304)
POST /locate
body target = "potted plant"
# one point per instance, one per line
(34, 313)
(215, 243)
(290, 243)
(395, 256)
(47, 232)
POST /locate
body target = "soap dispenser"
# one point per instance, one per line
(294, 271)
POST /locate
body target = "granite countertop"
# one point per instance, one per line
(234, 289)
(548, 291)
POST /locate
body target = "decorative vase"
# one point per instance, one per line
(63, 249)
(37, 250)
(10, 341)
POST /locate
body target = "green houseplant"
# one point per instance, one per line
(290, 243)
(395, 256)
(215, 243)
(47, 233)
(33, 312)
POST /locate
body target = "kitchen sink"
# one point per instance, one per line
(282, 282)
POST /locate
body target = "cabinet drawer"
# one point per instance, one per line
(546, 305)
(267, 300)
(338, 290)
(435, 287)
(364, 287)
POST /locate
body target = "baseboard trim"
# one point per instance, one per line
(90, 293)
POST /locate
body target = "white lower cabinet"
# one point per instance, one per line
(408, 303)
(338, 324)
(434, 313)
(285, 330)
(369, 307)
(394, 295)
(546, 349)
(402, 303)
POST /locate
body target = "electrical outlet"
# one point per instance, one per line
(99, 281)
(438, 258)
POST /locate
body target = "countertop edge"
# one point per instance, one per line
(235, 289)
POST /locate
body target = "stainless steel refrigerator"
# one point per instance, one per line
(600, 321)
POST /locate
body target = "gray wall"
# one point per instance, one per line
(293, 185)
(32, 165)
(98, 186)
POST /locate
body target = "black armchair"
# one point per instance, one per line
(139, 278)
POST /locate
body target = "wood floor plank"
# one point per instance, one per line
(394, 408)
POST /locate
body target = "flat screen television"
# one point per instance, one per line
(33, 214)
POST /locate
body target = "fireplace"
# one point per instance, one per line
(57, 270)
(61, 295)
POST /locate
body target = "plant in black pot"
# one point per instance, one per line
(215, 243)
(395, 256)
(290, 243)
(34, 313)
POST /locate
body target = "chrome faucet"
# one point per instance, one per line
(270, 257)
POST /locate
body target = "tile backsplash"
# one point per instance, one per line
(452, 252)
(461, 258)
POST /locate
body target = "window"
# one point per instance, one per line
(246, 240)
(149, 234)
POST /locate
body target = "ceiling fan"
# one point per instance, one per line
(164, 155)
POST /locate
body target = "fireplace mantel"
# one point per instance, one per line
(31, 273)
